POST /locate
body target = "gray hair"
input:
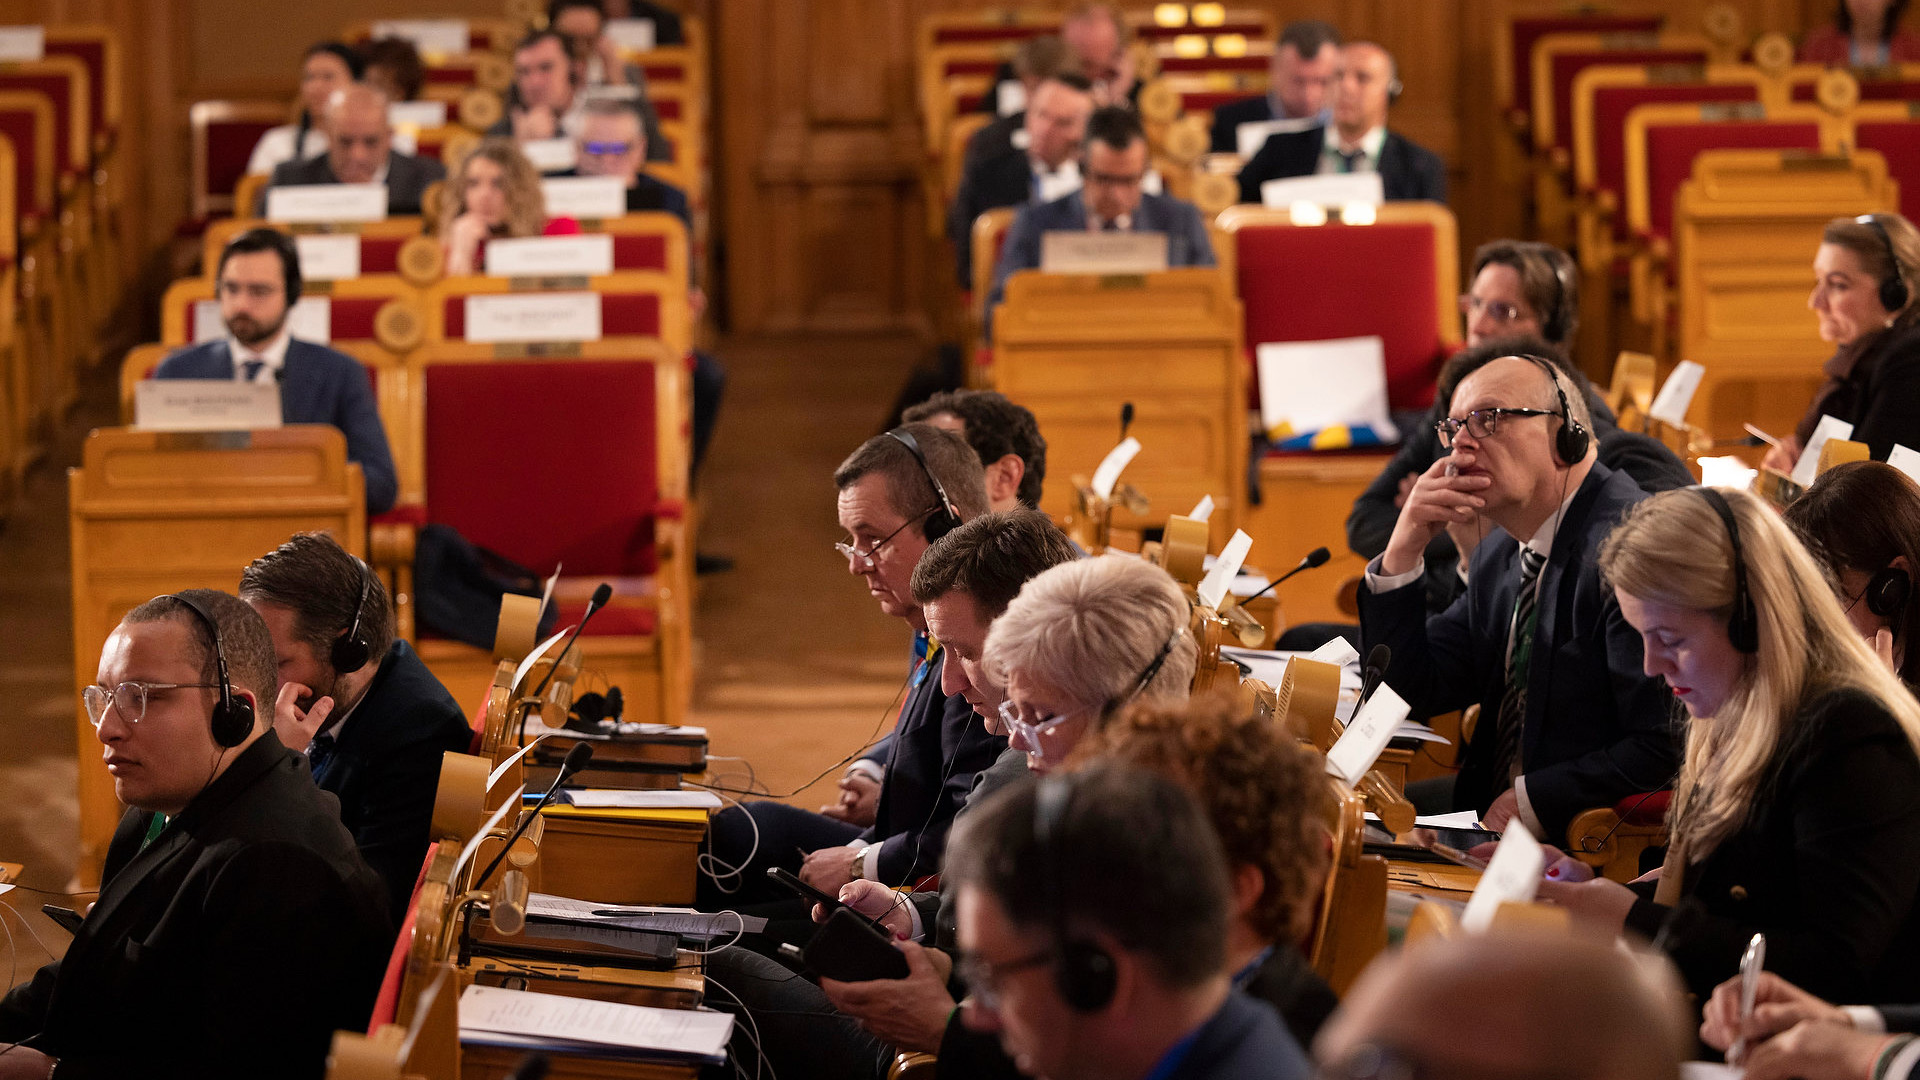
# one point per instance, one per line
(1092, 628)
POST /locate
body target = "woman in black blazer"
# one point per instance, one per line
(1797, 810)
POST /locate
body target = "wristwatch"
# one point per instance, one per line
(860, 862)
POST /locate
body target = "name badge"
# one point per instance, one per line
(1081, 252)
(323, 203)
(329, 257)
(632, 35)
(417, 114)
(23, 43)
(589, 198)
(310, 320)
(550, 155)
(546, 256)
(568, 316)
(1367, 735)
(1330, 189)
(205, 405)
(433, 37)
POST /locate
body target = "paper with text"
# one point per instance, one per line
(205, 405)
(323, 203)
(1808, 467)
(1309, 385)
(1213, 588)
(433, 37)
(547, 316)
(588, 198)
(1676, 394)
(550, 155)
(1513, 874)
(1367, 735)
(1111, 466)
(590, 254)
(328, 256)
(1078, 251)
(1338, 651)
(518, 1012)
(631, 35)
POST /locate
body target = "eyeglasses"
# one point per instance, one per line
(129, 699)
(1481, 423)
(605, 149)
(1029, 731)
(1115, 179)
(982, 977)
(1498, 310)
(866, 557)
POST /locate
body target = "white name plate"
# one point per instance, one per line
(1213, 588)
(433, 37)
(322, 203)
(567, 316)
(329, 256)
(1331, 189)
(1676, 394)
(1367, 735)
(538, 256)
(550, 155)
(417, 114)
(1083, 252)
(586, 197)
(310, 320)
(205, 405)
(23, 43)
(632, 35)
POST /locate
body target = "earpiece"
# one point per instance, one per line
(1559, 323)
(1894, 293)
(944, 518)
(1394, 88)
(1570, 443)
(1888, 592)
(232, 719)
(1743, 622)
(351, 651)
(1083, 971)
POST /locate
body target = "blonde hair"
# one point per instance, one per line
(1092, 628)
(1673, 549)
(526, 205)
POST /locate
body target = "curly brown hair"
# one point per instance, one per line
(1265, 793)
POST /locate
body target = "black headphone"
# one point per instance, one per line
(1893, 290)
(1743, 622)
(265, 239)
(1083, 972)
(1559, 322)
(944, 518)
(1888, 592)
(1573, 439)
(351, 651)
(232, 719)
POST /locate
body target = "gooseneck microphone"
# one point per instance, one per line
(1126, 419)
(1317, 557)
(1374, 673)
(599, 600)
(577, 759)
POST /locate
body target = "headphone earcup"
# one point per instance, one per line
(940, 523)
(1085, 976)
(349, 654)
(1571, 441)
(232, 721)
(1893, 293)
(1888, 592)
(1743, 624)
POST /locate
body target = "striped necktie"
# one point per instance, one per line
(1513, 702)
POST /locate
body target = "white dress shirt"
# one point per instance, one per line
(273, 354)
(276, 148)
(1369, 146)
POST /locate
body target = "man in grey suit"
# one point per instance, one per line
(1113, 168)
(360, 151)
(259, 277)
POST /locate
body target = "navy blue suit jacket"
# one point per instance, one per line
(385, 767)
(1187, 241)
(1407, 169)
(317, 386)
(1597, 728)
(1228, 118)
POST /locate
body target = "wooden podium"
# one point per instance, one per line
(1074, 348)
(156, 512)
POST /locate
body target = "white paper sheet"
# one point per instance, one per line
(1111, 466)
(550, 155)
(545, 256)
(1309, 385)
(1710, 1070)
(1009, 97)
(1513, 874)
(588, 198)
(19, 43)
(622, 799)
(1331, 189)
(1249, 137)
(1338, 651)
(1727, 472)
(1203, 509)
(322, 203)
(546, 316)
(1676, 394)
(1808, 467)
(631, 35)
(328, 256)
(1367, 735)
(417, 114)
(518, 1012)
(433, 37)
(1213, 588)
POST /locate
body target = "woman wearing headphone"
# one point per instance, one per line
(1797, 810)
(1865, 276)
(1861, 520)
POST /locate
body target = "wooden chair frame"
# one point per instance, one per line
(186, 291)
(200, 117)
(675, 327)
(220, 233)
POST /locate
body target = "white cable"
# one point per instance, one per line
(752, 1032)
(728, 872)
(739, 932)
(28, 923)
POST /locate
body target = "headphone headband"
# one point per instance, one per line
(945, 517)
(232, 718)
(1743, 622)
(1894, 293)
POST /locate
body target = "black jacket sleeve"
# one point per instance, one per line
(1891, 412)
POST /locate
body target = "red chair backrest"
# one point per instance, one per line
(460, 75)
(1671, 149)
(639, 251)
(1526, 31)
(1870, 90)
(229, 146)
(1209, 100)
(386, 1005)
(1610, 107)
(986, 32)
(352, 316)
(18, 125)
(621, 314)
(94, 55)
(381, 254)
(519, 463)
(1899, 141)
(1252, 30)
(1567, 66)
(59, 90)
(1186, 64)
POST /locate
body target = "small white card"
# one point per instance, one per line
(1203, 509)
(1213, 588)
(1111, 466)
(1329, 189)
(329, 256)
(433, 37)
(310, 320)
(1309, 385)
(19, 43)
(588, 198)
(1060, 183)
(632, 35)
(550, 155)
(321, 203)
(1083, 252)
(1906, 460)
(1249, 137)
(417, 114)
(623, 799)
(205, 405)
(1513, 874)
(1339, 652)
(540, 256)
(1676, 394)
(1009, 97)
(1367, 735)
(1726, 472)
(1808, 467)
(546, 316)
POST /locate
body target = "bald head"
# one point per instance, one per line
(1539, 1002)
(1362, 87)
(358, 134)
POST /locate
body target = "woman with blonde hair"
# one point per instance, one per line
(494, 193)
(1797, 810)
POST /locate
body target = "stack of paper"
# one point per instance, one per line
(492, 1016)
(686, 922)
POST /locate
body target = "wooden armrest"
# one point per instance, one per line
(1347, 597)
(914, 1066)
(390, 549)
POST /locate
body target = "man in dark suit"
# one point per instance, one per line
(1356, 140)
(371, 718)
(1044, 168)
(1036, 59)
(360, 151)
(895, 490)
(1113, 165)
(236, 928)
(1298, 77)
(1568, 718)
(1093, 910)
(258, 279)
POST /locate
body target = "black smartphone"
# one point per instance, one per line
(807, 892)
(851, 948)
(68, 918)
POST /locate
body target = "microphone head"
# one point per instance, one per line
(1317, 557)
(601, 595)
(1378, 658)
(577, 759)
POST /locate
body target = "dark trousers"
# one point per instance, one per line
(798, 1030)
(754, 836)
(709, 382)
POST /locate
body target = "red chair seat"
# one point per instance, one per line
(614, 620)
(1648, 809)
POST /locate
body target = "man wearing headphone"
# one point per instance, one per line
(236, 928)
(1366, 83)
(1093, 914)
(1568, 718)
(372, 720)
(259, 282)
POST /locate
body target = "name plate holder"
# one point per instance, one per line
(529, 317)
(1114, 253)
(535, 257)
(317, 203)
(203, 407)
(587, 198)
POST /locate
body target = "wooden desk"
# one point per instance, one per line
(1304, 502)
(621, 856)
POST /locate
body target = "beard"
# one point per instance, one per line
(251, 332)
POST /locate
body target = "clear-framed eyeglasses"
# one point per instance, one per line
(1480, 423)
(129, 699)
(1029, 731)
(982, 978)
(867, 557)
(1498, 310)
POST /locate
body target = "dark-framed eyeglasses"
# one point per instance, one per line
(846, 548)
(598, 148)
(129, 699)
(982, 977)
(1481, 423)
(1498, 310)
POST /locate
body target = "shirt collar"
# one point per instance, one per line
(274, 355)
(1542, 542)
(1370, 144)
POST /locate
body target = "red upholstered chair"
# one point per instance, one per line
(97, 49)
(380, 241)
(633, 304)
(64, 80)
(1898, 139)
(1611, 839)
(1901, 82)
(224, 134)
(356, 311)
(1513, 56)
(387, 1003)
(1397, 278)
(483, 34)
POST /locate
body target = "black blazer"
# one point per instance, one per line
(385, 768)
(1598, 729)
(1827, 865)
(407, 179)
(994, 139)
(1880, 396)
(1004, 179)
(1244, 1039)
(234, 945)
(1228, 118)
(1407, 169)
(1288, 983)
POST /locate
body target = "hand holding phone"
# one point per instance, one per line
(852, 948)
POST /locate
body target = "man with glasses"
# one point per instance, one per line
(237, 928)
(894, 490)
(1568, 718)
